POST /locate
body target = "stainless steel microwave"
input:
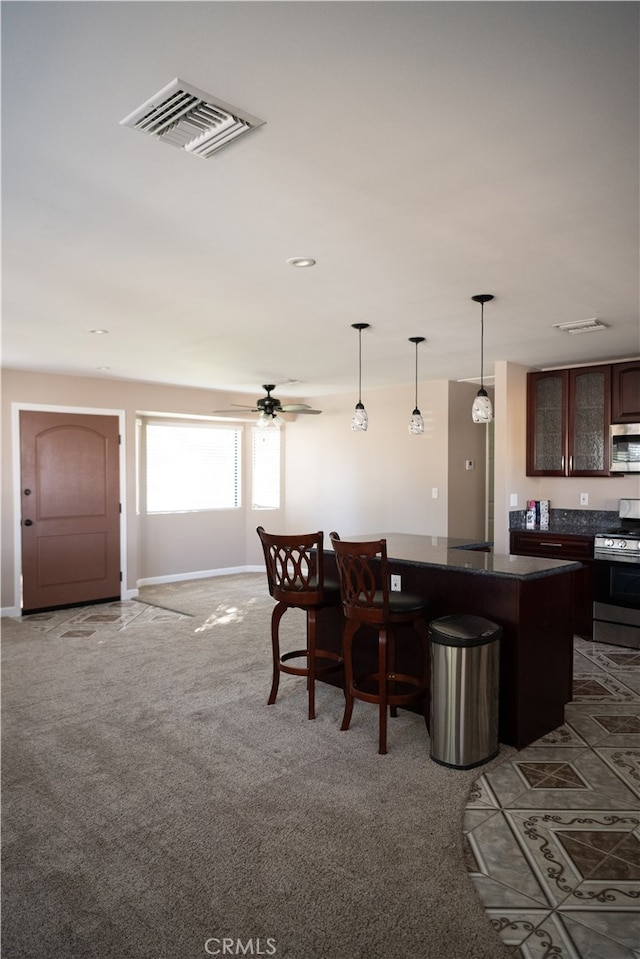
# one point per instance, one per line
(625, 448)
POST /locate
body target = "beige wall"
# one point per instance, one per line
(378, 481)
(467, 488)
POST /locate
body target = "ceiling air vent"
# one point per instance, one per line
(581, 326)
(185, 117)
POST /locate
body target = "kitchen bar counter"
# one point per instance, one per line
(464, 555)
(530, 598)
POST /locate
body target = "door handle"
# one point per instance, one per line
(28, 522)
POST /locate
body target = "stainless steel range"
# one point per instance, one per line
(616, 608)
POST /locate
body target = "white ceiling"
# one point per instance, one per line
(420, 152)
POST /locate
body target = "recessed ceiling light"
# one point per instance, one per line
(301, 261)
(103, 369)
(99, 332)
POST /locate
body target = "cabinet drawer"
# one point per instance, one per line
(551, 545)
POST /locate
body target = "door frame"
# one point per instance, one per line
(16, 409)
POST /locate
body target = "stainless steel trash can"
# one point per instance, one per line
(465, 664)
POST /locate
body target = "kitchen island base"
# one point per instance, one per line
(533, 604)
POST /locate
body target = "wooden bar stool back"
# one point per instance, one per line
(295, 574)
(367, 601)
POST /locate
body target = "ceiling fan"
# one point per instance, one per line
(269, 406)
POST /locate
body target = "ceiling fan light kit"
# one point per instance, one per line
(482, 411)
(416, 423)
(268, 407)
(359, 420)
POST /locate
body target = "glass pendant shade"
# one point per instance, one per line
(416, 423)
(359, 420)
(482, 411)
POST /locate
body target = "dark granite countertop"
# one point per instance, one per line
(464, 555)
(569, 522)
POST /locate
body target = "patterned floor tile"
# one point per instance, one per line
(545, 778)
(605, 724)
(566, 812)
(563, 938)
(86, 621)
(582, 860)
(625, 763)
(602, 688)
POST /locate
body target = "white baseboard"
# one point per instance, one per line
(10, 611)
(199, 574)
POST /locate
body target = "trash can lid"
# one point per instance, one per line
(464, 630)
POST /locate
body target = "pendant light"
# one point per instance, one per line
(359, 420)
(416, 423)
(481, 411)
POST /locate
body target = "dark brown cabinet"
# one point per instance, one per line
(568, 416)
(569, 547)
(625, 392)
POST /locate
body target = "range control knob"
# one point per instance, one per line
(608, 542)
(622, 544)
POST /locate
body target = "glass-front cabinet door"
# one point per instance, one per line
(568, 415)
(589, 418)
(547, 417)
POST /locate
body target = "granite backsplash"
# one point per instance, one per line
(581, 522)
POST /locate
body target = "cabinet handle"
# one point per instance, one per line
(559, 545)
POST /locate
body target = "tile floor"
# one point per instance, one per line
(552, 835)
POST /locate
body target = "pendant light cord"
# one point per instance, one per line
(416, 406)
(359, 367)
(482, 346)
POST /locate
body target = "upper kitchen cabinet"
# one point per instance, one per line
(568, 416)
(625, 392)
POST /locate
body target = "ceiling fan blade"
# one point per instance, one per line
(236, 412)
(298, 409)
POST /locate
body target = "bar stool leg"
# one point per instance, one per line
(311, 661)
(278, 612)
(350, 629)
(382, 689)
(391, 668)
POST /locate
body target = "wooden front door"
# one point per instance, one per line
(70, 509)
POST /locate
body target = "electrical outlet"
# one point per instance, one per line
(469, 465)
(395, 583)
(514, 499)
(434, 492)
(584, 499)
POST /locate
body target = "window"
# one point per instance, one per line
(266, 469)
(191, 466)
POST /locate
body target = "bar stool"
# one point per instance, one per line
(367, 601)
(295, 573)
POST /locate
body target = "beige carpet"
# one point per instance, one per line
(153, 802)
